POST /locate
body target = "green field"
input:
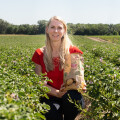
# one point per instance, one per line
(20, 91)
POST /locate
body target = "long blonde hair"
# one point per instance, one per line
(64, 49)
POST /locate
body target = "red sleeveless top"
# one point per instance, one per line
(56, 75)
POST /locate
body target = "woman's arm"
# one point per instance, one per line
(82, 71)
(38, 69)
(53, 91)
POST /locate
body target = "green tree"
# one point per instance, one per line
(3, 26)
(34, 29)
(10, 29)
(41, 26)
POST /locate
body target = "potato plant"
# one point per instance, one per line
(102, 74)
(21, 89)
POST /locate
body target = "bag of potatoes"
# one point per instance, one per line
(74, 72)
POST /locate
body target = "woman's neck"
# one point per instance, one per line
(56, 49)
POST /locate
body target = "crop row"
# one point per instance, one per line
(102, 74)
(20, 89)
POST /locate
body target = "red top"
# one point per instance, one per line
(56, 75)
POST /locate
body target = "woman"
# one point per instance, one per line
(51, 59)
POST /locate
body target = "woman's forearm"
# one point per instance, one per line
(53, 91)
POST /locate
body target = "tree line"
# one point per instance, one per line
(75, 29)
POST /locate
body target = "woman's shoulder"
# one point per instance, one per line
(40, 50)
(74, 49)
(38, 56)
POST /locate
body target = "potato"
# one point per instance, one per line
(69, 81)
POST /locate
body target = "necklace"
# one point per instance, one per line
(56, 61)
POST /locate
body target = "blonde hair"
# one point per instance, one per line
(64, 49)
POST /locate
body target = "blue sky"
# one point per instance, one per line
(72, 11)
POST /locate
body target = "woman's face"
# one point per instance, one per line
(55, 30)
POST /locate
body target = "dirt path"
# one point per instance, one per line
(97, 39)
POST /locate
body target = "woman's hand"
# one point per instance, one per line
(62, 87)
(84, 89)
(60, 93)
(55, 92)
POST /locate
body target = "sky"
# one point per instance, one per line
(72, 11)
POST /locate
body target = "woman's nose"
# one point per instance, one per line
(56, 30)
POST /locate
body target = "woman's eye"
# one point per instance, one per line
(52, 27)
(59, 28)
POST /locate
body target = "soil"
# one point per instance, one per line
(97, 39)
(87, 105)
